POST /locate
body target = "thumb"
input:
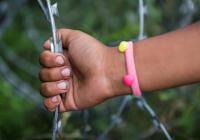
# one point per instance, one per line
(65, 35)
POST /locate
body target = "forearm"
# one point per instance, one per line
(167, 60)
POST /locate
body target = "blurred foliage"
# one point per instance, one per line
(109, 21)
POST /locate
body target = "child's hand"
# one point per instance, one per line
(85, 73)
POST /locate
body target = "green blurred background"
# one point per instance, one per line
(23, 29)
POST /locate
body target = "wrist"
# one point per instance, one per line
(115, 71)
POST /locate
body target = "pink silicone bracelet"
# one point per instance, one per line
(131, 78)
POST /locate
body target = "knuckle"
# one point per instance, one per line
(40, 75)
(41, 90)
(45, 89)
(50, 74)
(40, 58)
(77, 32)
(44, 57)
(47, 106)
(61, 30)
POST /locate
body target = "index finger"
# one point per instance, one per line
(47, 44)
(49, 59)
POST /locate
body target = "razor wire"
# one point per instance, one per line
(56, 47)
(126, 98)
(115, 118)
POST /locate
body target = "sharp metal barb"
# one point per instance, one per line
(54, 8)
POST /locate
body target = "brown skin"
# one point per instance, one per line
(88, 83)
(162, 62)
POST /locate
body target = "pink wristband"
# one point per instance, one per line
(131, 79)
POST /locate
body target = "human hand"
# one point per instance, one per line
(86, 73)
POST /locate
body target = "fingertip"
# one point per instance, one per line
(51, 103)
(47, 44)
(55, 100)
(60, 60)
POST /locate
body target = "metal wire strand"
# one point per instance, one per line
(56, 47)
(142, 104)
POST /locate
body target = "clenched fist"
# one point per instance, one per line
(87, 73)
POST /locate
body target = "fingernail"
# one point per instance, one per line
(60, 60)
(66, 72)
(62, 85)
(54, 99)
